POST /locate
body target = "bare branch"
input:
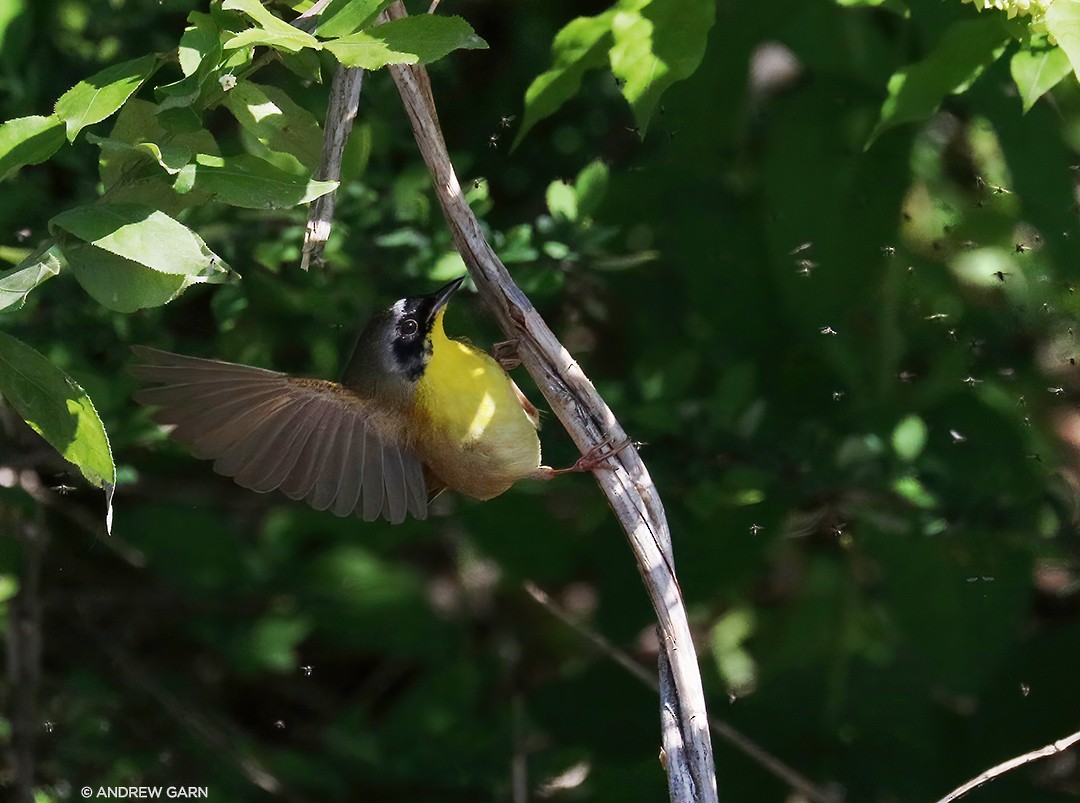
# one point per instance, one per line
(728, 733)
(340, 114)
(588, 420)
(1060, 746)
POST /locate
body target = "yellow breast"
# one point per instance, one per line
(475, 435)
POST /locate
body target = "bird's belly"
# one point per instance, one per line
(476, 437)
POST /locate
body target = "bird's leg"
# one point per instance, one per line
(505, 353)
(593, 460)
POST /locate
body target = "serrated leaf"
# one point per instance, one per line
(1037, 68)
(145, 236)
(249, 182)
(40, 266)
(580, 46)
(657, 42)
(126, 286)
(365, 51)
(100, 95)
(277, 121)
(591, 186)
(1062, 21)
(428, 37)
(270, 30)
(343, 17)
(28, 141)
(915, 92)
(411, 40)
(57, 408)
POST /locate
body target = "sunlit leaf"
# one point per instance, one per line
(915, 92)
(57, 408)
(420, 39)
(1038, 68)
(143, 235)
(39, 267)
(100, 95)
(580, 46)
(28, 141)
(1062, 21)
(270, 30)
(657, 42)
(124, 285)
(248, 181)
(343, 17)
(277, 121)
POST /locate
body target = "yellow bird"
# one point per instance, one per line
(415, 412)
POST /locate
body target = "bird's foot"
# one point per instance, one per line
(505, 353)
(593, 460)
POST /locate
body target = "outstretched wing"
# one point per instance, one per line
(310, 438)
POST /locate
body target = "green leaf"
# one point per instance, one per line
(138, 135)
(55, 407)
(562, 200)
(124, 285)
(1062, 21)
(657, 42)
(915, 92)
(100, 95)
(1037, 68)
(270, 30)
(304, 64)
(735, 665)
(343, 17)
(580, 46)
(200, 42)
(249, 182)
(591, 186)
(277, 121)
(428, 37)
(909, 438)
(363, 50)
(28, 141)
(39, 267)
(143, 235)
(410, 40)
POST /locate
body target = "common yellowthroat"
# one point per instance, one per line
(415, 412)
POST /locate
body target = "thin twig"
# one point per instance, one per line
(589, 421)
(728, 733)
(1060, 746)
(340, 114)
(24, 643)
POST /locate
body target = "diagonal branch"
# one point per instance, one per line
(720, 728)
(589, 421)
(1060, 746)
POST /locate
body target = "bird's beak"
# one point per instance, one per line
(442, 297)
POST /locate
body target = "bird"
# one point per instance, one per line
(415, 413)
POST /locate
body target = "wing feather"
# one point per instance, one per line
(310, 438)
(373, 466)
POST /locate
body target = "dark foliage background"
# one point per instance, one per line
(854, 372)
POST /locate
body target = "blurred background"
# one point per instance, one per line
(854, 370)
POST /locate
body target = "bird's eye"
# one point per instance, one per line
(409, 327)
